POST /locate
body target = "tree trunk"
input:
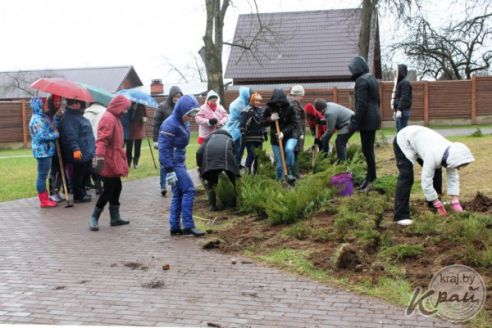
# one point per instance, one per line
(365, 26)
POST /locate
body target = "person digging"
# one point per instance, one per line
(216, 155)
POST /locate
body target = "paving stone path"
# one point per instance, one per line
(53, 270)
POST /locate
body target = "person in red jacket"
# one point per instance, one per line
(315, 118)
(110, 162)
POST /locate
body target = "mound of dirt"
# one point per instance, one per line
(348, 258)
(480, 203)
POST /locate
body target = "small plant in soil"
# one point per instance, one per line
(401, 252)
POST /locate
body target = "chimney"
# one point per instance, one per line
(156, 88)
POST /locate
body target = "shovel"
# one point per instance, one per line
(315, 149)
(282, 155)
(69, 203)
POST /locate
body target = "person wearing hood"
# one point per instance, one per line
(43, 139)
(164, 110)
(134, 131)
(316, 119)
(295, 97)
(54, 182)
(78, 146)
(279, 109)
(174, 136)
(110, 162)
(418, 144)
(402, 97)
(252, 127)
(234, 121)
(212, 116)
(94, 113)
(366, 118)
(216, 155)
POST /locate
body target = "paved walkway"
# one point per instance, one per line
(54, 271)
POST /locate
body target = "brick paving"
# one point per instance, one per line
(53, 270)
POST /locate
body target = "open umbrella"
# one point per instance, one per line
(139, 97)
(100, 95)
(65, 88)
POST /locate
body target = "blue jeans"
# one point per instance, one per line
(403, 120)
(289, 148)
(163, 179)
(44, 165)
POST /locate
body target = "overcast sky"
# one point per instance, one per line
(40, 34)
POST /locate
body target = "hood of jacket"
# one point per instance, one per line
(278, 95)
(118, 105)
(211, 94)
(402, 72)
(184, 105)
(357, 67)
(37, 105)
(244, 94)
(459, 154)
(173, 92)
(222, 131)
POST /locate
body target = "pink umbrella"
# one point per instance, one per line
(65, 88)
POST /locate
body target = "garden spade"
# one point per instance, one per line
(282, 155)
(69, 203)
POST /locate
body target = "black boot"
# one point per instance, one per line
(212, 201)
(93, 226)
(291, 179)
(114, 213)
(193, 231)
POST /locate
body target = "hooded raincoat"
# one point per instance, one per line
(287, 121)
(43, 134)
(164, 110)
(235, 109)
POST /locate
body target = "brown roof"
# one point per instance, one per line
(304, 45)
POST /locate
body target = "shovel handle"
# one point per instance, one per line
(62, 169)
(281, 146)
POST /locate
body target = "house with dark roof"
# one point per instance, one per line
(308, 47)
(16, 84)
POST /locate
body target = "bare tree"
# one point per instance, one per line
(192, 70)
(21, 81)
(453, 52)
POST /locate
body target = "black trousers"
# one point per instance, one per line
(212, 178)
(55, 180)
(341, 145)
(129, 144)
(405, 183)
(111, 192)
(80, 171)
(367, 139)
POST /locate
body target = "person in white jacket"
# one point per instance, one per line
(418, 144)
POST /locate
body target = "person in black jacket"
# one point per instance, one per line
(163, 111)
(216, 155)
(279, 109)
(366, 118)
(402, 97)
(252, 126)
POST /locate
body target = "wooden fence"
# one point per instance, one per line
(466, 100)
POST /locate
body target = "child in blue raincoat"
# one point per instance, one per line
(174, 136)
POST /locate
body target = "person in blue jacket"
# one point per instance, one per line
(174, 136)
(79, 146)
(43, 138)
(233, 124)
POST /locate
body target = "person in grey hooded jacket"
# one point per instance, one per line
(402, 97)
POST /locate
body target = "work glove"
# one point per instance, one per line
(274, 117)
(144, 119)
(280, 135)
(77, 155)
(98, 164)
(456, 206)
(301, 137)
(212, 121)
(171, 178)
(398, 114)
(438, 205)
(321, 121)
(156, 145)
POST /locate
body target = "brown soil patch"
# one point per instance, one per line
(480, 203)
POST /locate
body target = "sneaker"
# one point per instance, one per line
(163, 192)
(193, 231)
(404, 222)
(135, 166)
(176, 232)
(84, 199)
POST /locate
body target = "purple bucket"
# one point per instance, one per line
(343, 183)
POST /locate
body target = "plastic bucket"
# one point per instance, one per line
(343, 183)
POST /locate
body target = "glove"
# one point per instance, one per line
(171, 178)
(439, 207)
(212, 121)
(456, 206)
(144, 119)
(280, 135)
(156, 145)
(301, 137)
(99, 164)
(77, 155)
(321, 122)
(274, 117)
(394, 116)
(398, 114)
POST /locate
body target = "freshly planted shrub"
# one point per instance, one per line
(225, 191)
(385, 185)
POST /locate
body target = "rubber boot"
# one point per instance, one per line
(44, 200)
(93, 221)
(212, 200)
(114, 213)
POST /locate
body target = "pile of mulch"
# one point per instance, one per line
(480, 203)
